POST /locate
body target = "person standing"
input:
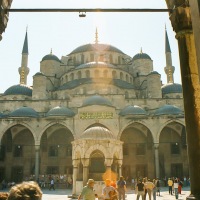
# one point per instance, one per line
(158, 186)
(149, 187)
(109, 191)
(121, 187)
(88, 192)
(176, 188)
(154, 189)
(140, 189)
(52, 184)
(180, 185)
(170, 184)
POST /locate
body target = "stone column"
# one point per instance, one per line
(108, 163)
(120, 167)
(182, 25)
(37, 161)
(85, 162)
(156, 146)
(75, 171)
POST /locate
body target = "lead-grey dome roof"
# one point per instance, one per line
(169, 110)
(23, 112)
(141, 56)
(96, 133)
(19, 89)
(96, 47)
(171, 88)
(60, 111)
(51, 57)
(132, 110)
(95, 64)
(96, 100)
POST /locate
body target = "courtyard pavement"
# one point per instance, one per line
(62, 194)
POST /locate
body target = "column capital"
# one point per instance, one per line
(85, 162)
(37, 147)
(156, 145)
(108, 161)
(75, 163)
(181, 16)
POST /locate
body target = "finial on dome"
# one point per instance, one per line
(96, 37)
(141, 50)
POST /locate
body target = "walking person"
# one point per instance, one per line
(149, 187)
(140, 189)
(176, 188)
(154, 189)
(88, 192)
(109, 192)
(52, 184)
(121, 188)
(170, 184)
(158, 186)
(180, 185)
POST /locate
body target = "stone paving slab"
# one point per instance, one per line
(62, 194)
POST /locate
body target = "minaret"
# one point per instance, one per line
(24, 70)
(96, 37)
(169, 69)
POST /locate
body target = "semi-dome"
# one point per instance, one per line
(141, 56)
(51, 57)
(96, 133)
(19, 89)
(154, 72)
(23, 112)
(169, 110)
(171, 88)
(39, 74)
(96, 100)
(96, 47)
(95, 64)
(132, 110)
(60, 111)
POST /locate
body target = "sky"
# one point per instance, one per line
(63, 32)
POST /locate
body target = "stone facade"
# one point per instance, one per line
(93, 111)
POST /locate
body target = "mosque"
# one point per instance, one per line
(93, 110)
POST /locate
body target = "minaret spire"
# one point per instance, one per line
(96, 37)
(24, 70)
(169, 69)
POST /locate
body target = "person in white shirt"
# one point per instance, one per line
(176, 188)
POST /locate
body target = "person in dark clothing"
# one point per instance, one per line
(158, 187)
(121, 187)
(140, 189)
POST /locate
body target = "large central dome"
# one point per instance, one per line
(96, 47)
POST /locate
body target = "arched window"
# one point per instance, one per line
(74, 60)
(114, 74)
(105, 74)
(72, 76)
(66, 78)
(79, 75)
(131, 80)
(111, 58)
(87, 74)
(119, 60)
(121, 76)
(96, 73)
(91, 57)
(126, 78)
(82, 58)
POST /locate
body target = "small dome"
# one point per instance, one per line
(141, 56)
(24, 112)
(154, 72)
(39, 74)
(96, 133)
(169, 110)
(51, 57)
(95, 64)
(96, 47)
(132, 110)
(60, 111)
(171, 88)
(19, 89)
(96, 100)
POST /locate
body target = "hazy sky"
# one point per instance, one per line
(63, 32)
